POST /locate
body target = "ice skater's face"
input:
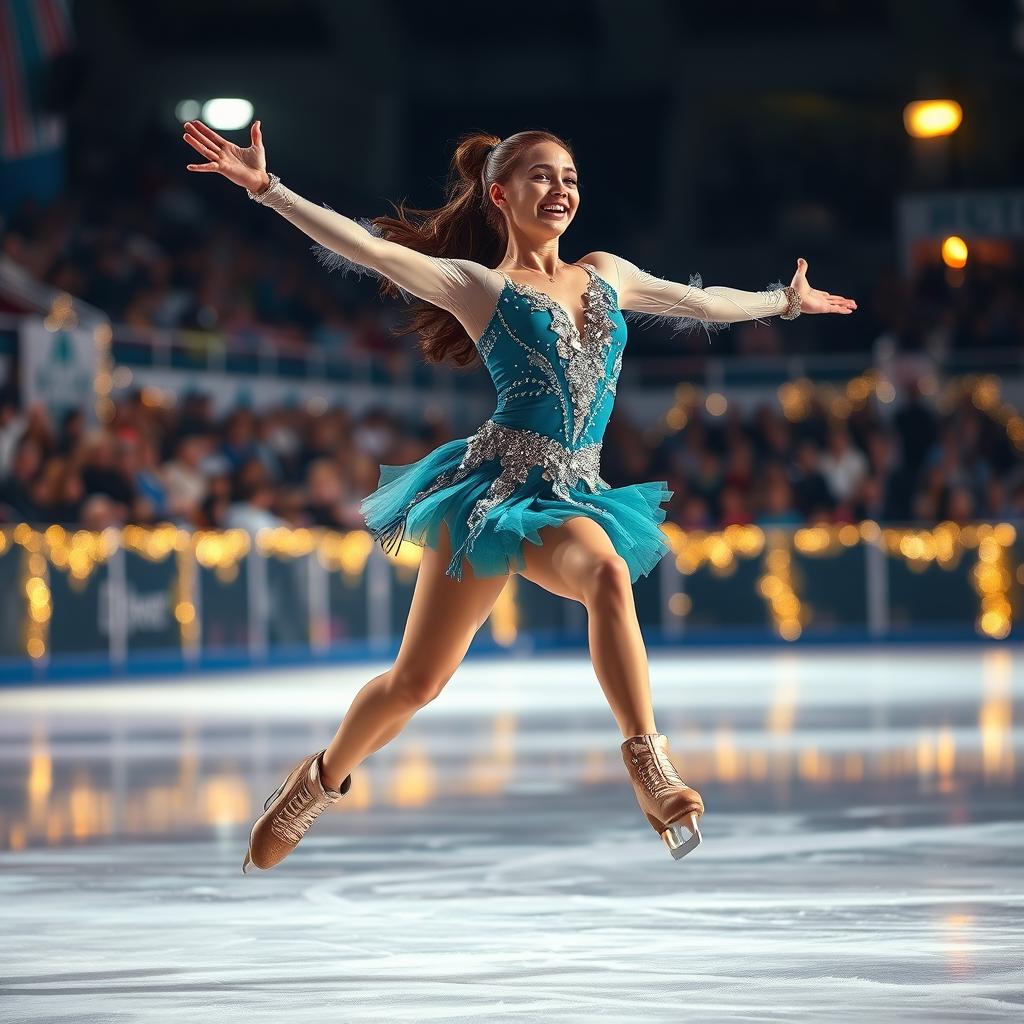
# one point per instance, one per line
(541, 197)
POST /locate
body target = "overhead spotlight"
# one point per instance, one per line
(226, 113)
(954, 252)
(187, 110)
(926, 119)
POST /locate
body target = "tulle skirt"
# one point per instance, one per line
(630, 515)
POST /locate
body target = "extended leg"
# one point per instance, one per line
(577, 560)
(443, 619)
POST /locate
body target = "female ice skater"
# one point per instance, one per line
(523, 494)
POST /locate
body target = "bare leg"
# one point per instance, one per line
(577, 560)
(443, 619)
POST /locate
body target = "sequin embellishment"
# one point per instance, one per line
(518, 451)
(582, 357)
(583, 362)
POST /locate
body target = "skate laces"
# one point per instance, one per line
(292, 821)
(656, 770)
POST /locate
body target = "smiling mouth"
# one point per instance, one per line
(555, 214)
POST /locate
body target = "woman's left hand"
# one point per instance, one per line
(814, 300)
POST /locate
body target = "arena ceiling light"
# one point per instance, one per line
(226, 113)
(187, 110)
(925, 119)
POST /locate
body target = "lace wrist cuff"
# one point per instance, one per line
(792, 310)
(277, 196)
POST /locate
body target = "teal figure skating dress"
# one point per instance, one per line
(535, 461)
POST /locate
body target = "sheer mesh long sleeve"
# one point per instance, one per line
(644, 297)
(466, 289)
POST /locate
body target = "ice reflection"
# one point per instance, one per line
(72, 778)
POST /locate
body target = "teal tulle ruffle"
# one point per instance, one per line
(631, 514)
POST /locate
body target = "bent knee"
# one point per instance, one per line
(415, 686)
(607, 578)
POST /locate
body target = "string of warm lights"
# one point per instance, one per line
(185, 597)
(944, 545)
(776, 586)
(156, 543)
(78, 553)
(345, 552)
(37, 595)
(221, 551)
(719, 548)
(992, 579)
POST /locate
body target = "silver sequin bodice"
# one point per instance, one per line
(555, 392)
(549, 378)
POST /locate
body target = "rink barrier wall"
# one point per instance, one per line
(164, 600)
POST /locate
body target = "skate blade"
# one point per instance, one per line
(247, 864)
(678, 841)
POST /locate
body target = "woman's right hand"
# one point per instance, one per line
(245, 167)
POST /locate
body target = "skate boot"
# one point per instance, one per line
(288, 813)
(669, 804)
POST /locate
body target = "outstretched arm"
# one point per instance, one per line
(645, 293)
(344, 243)
(462, 287)
(715, 307)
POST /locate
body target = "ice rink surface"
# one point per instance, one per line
(863, 854)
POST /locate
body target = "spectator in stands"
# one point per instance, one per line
(65, 493)
(279, 445)
(707, 481)
(810, 490)
(929, 501)
(996, 503)
(916, 425)
(183, 479)
(239, 439)
(101, 472)
(735, 509)
(361, 474)
(290, 506)
(71, 432)
(376, 433)
(739, 472)
(99, 513)
(195, 415)
(252, 511)
(1015, 506)
(959, 505)
(964, 453)
(893, 490)
(777, 440)
(12, 426)
(18, 495)
(140, 464)
(843, 465)
(776, 506)
(694, 514)
(870, 502)
(324, 506)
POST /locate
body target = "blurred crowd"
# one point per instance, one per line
(296, 467)
(176, 256)
(916, 466)
(156, 464)
(171, 251)
(164, 252)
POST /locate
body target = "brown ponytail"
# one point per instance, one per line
(469, 226)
